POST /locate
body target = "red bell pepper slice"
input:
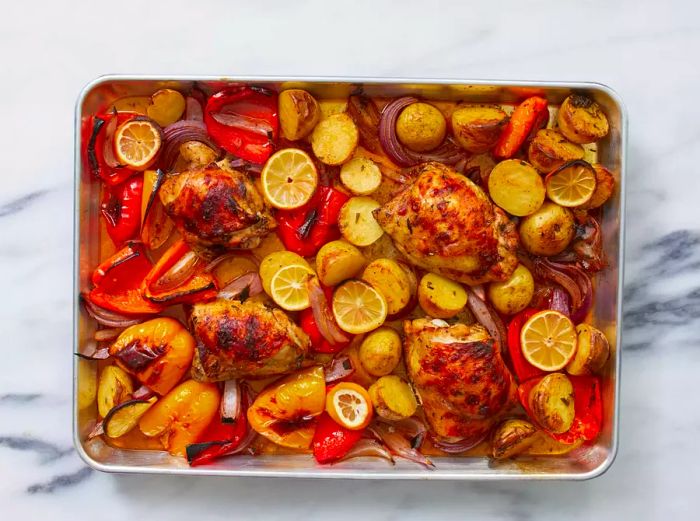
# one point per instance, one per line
(94, 151)
(588, 408)
(121, 209)
(219, 439)
(198, 287)
(529, 115)
(243, 121)
(319, 344)
(523, 369)
(331, 440)
(118, 281)
(307, 228)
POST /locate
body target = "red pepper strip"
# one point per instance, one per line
(95, 150)
(197, 288)
(525, 117)
(331, 440)
(118, 281)
(588, 408)
(219, 439)
(523, 369)
(243, 121)
(121, 209)
(305, 229)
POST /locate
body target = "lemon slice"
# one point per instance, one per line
(358, 307)
(288, 287)
(350, 405)
(572, 184)
(137, 143)
(289, 179)
(274, 262)
(548, 340)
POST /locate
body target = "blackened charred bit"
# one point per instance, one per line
(307, 225)
(92, 156)
(62, 481)
(261, 90)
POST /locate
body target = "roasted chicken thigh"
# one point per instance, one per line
(460, 377)
(445, 223)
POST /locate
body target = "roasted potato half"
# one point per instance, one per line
(514, 294)
(592, 351)
(549, 150)
(337, 261)
(421, 127)
(441, 297)
(115, 387)
(477, 127)
(551, 401)
(393, 398)
(361, 176)
(357, 223)
(581, 120)
(380, 351)
(516, 187)
(604, 188)
(298, 113)
(197, 154)
(335, 139)
(548, 231)
(393, 281)
(512, 437)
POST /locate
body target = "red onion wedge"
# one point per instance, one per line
(560, 301)
(574, 280)
(108, 147)
(96, 354)
(106, 317)
(143, 393)
(367, 447)
(460, 446)
(97, 430)
(487, 317)
(413, 429)
(229, 117)
(231, 400)
(181, 132)
(179, 273)
(248, 284)
(193, 110)
(398, 445)
(339, 368)
(323, 315)
(230, 255)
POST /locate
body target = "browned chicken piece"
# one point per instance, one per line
(460, 377)
(249, 339)
(445, 223)
(217, 209)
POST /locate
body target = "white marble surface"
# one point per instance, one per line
(646, 50)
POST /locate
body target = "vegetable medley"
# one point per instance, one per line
(358, 277)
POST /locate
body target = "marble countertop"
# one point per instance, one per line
(646, 51)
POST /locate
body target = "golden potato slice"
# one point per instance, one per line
(330, 107)
(604, 188)
(337, 261)
(357, 223)
(361, 176)
(421, 127)
(392, 280)
(548, 231)
(512, 437)
(334, 139)
(380, 351)
(478, 127)
(167, 107)
(516, 187)
(592, 351)
(298, 113)
(552, 402)
(581, 120)
(115, 387)
(514, 294)
(549, 150)
(441, 297)
(136, 104)
(393, 398)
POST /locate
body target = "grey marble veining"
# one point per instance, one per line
(646, 50)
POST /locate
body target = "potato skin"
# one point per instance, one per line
(337, 261)
(421, 127)
(549, 150)
(548, 231)
(393, 398)
(516, 187)
(552, 402)
(298, 113)
(334, 139)
(441, 297)
(512, 437)
(380, 351)
(477, 127)
(581, 120)
(391, 279)
(513, 295)
(604, 188)
(197, 154)
(592, 351)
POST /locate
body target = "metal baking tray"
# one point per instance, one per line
(583, 463)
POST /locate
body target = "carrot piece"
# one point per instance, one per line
(526, 116)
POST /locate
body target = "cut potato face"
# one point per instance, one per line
(548, 231)
(361, 176)
(513, 295)
(335, 139)
(549, 150)
(393, 281)
(421, 127)
(441, 297)
(592, 351)
(393, 398)
(135, 104)
(552, 403)
(167, 107)
(478, 127)
(115, 387)
(298, 113)
(516, 187)
(357, 223)
(337, 261)
(581, 120)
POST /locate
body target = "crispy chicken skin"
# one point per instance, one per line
(216, 208)
(459, 374)
(445, 223)
(237, 340)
